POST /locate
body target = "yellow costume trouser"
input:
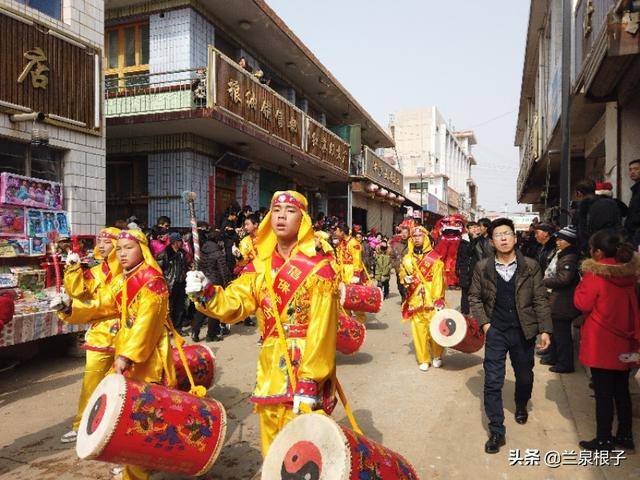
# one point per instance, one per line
(96, 367)
(422, 338)
(130, 472)
(272, 419)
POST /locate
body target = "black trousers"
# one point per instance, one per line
(385, 287)
(611, 388)
(213, 325)
(561, 349)
(176, 305)
(498, 344)
(464, 301)
(401, 288)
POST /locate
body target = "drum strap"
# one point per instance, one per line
(197, 390)
(347, 408)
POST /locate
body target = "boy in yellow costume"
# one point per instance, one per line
(82, 284)
(349, 261)
(422, 271)
(141, 347)
(296, 364)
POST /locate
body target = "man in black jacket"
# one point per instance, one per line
(546, 244)
(509, 301)
(594, 214)
(632, 224)
(174, 267)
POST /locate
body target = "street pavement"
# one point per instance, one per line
(435, 419)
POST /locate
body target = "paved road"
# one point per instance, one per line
(435, 419)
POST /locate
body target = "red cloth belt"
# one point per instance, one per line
(290, 331)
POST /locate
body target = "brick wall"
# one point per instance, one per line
(172, 173)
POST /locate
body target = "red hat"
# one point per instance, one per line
(604, 188)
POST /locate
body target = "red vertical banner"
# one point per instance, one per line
(212, 199)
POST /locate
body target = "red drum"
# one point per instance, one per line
(135, 423)
(314, 447)
(449, 328)
(351, 335)
(360, 298)
(201, 361)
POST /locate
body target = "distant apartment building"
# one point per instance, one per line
(223, 99)
(435, 161)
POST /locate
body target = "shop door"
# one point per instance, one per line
(360, 218)
(225, 193)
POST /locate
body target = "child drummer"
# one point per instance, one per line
(141, 346)
(422, 272)
(99, 338)
(296, 364)
(349, 261)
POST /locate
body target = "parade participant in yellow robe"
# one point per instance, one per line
(322, 244)
(247, 248)
(296, 365)
(82, 284)
(349, 262)
(422, 271)
(141, 346)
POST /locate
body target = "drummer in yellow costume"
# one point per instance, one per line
(289, 274)
(422, 271)
(83, 284)
(141, 346)
(247, 248)
(349, 261)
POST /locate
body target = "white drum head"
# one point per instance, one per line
(100, 417)
(310, 447)
(343, 293)
(448, 327)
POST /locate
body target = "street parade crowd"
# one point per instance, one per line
(307, 285)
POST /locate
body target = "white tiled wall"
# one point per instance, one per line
(83, 155)
(172, 173)
(249, 182)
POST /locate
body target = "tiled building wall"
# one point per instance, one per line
(83, 155)
(172, 173)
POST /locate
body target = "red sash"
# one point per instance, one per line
(106, 272)
(424, 266)
(134, 284)
(286, 283)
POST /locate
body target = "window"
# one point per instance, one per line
(415, 187)
(23, 159)
(126, 55)
(53, 8)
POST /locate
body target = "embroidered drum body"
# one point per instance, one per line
(151, 426)
(360, 298)
(201, 361)
(351, 335)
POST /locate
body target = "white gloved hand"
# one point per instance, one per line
(73, 259)
(355, 280)
(302, 400)
(236, 251)
(61, 301)
(408, 279)
(196, 282)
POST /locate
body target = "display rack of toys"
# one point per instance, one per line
(31, 213)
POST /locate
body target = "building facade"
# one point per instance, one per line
(51, 122)
(435, 161)
(605, 105)
(225, 101)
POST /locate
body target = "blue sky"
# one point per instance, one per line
(465, 57)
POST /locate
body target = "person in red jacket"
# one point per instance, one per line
(607, 297)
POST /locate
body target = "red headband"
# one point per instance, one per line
(107, 235)
(128, 236)
(290, 199)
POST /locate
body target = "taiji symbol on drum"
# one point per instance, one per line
(97, 412)
(447, 327)
(303, 461)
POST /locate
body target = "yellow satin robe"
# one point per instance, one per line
(421, 304)
(314, 304)
(247, 250)
(100, 335)
(349, 258)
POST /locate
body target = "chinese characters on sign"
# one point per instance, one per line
(381, 172)
(36, 67)
(326, 146)
(241, 95)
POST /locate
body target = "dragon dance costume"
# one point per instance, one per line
(140, 299)
(425, 293)
(296, 297)
(99, 338)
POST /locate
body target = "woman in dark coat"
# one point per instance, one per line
(561, 279)
(213, 264)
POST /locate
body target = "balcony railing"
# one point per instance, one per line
(372, 167)
(149, 93)
(225, 86)
(590, 24)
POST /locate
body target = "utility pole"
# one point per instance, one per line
(565, 121)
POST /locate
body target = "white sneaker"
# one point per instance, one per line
(437, 362)
(116, 470)
(69, 437)
(424, 367)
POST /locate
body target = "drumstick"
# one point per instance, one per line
(53, 241)
(190, 198)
